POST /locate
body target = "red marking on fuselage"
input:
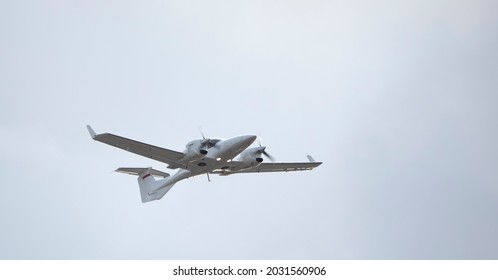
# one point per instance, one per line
(145, 176)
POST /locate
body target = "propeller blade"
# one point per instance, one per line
(202, 133)
(207, 141)
(262, 150)
(272, 159)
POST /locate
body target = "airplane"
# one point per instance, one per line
(201, 156)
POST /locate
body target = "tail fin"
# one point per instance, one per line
(150, 189)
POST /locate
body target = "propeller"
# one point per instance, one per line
(202, 133)
(262, 150)
(272, 159)
(205, 142)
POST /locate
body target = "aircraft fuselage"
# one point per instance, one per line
(222, 153)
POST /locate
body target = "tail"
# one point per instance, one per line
(150, 188)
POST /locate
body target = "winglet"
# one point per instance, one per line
(310, 158)
(92, 133)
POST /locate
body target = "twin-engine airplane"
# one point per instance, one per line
(202, 156)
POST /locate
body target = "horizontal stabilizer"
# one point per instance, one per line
(139, 170)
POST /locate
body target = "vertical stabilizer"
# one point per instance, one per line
(150, 189)
(147, 184)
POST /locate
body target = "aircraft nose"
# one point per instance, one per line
(242, 142)
(248, 139)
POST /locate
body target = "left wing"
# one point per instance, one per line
(139, 148)
(270, 167)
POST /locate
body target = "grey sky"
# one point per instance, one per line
(397, 98)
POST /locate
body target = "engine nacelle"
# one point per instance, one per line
(250, 158)
(196, 150)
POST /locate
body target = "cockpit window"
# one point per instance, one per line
(213, 142)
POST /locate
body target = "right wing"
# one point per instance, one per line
(270, 167)
(139, 148)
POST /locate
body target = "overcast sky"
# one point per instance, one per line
(397, 98)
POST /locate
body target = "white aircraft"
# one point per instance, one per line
(202, 156)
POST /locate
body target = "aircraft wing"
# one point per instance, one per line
(269, 167)
(139, 148)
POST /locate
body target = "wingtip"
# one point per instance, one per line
(91, 131)
(310, 158)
